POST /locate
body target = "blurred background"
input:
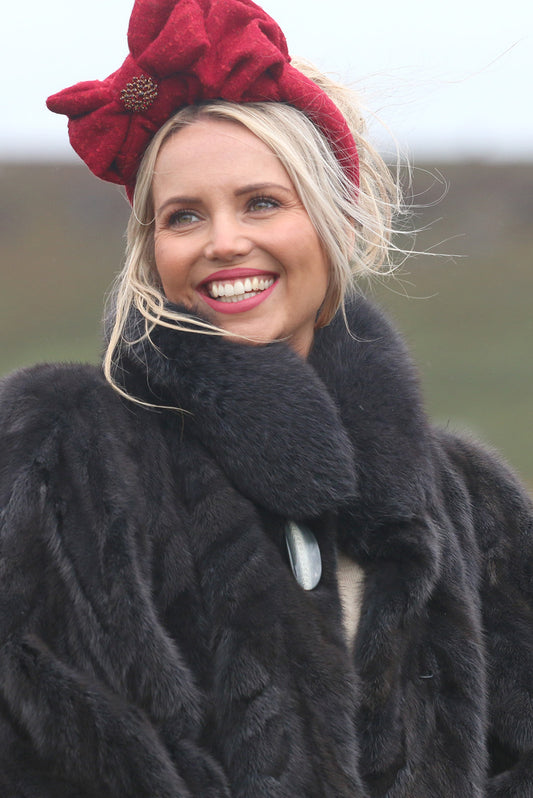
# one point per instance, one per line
(450, 81)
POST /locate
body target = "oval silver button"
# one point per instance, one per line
(304, 555)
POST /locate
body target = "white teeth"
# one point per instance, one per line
(238, 298)
(239, 290)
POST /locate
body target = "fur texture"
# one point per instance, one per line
(153, 641)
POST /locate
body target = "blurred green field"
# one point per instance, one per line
(466, 313)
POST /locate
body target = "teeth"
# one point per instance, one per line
(239, 298)
(239, 290)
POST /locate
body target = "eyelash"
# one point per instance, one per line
(260, 198)
(176, 217)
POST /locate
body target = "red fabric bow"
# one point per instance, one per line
(183, 52)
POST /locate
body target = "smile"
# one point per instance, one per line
(237, 290)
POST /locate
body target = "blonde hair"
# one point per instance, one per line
(353, 225)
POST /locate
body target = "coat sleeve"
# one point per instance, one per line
(95, 698)
(503, 521)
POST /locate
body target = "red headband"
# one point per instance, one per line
(184, 52)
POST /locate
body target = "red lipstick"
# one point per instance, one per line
(241, 305)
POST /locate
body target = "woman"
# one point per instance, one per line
(243, 563)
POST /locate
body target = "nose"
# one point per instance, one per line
(227, 240)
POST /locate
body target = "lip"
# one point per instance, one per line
(235, 274)
(237, 307)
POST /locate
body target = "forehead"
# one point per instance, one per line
(212, 150)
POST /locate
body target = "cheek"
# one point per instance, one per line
(307, 264)
(300, 247)
(171, 267)
(319, 275)
(318, 267)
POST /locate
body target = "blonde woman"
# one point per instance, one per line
(238, 560)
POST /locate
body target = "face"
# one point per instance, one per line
(232, 238)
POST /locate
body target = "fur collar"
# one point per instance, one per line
(344, 430)
(262, 412)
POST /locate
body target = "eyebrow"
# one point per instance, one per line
(260, 187)
(249, 189)
(177, 201)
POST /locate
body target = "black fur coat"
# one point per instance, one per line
(153, 640)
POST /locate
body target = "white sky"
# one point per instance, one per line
(450, 79)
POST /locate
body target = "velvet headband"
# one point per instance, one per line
(184, 52)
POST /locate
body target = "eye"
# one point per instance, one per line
(182, 218)
(262, 203)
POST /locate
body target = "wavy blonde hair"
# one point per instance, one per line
(353, 225)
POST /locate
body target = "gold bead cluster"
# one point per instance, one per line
(139, 94)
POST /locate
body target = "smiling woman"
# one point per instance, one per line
(226, 210)
(239, 562)
(350, 223)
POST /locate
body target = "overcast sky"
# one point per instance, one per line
(450, 79)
